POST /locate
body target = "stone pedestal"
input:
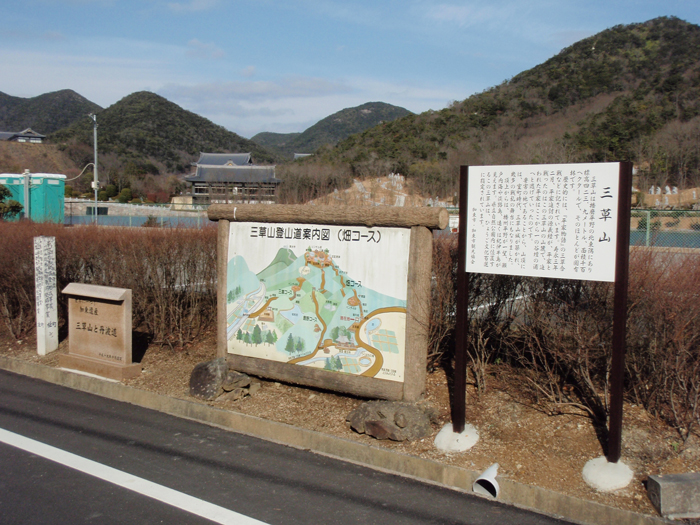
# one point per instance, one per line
(676, 496)
(99, 331)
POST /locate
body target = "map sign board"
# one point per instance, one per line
(547, 220)
(327, 297)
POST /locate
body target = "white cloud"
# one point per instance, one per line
(289, 87)
(197, 49)
(248, 71)
(295, 103)
(192, 6)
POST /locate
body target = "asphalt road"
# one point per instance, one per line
(79, 458)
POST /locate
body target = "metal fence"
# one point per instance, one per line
(131, 220)
(134, 215)
(662, 228)
(665, 228)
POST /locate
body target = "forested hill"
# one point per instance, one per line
(332, 129)
(45, 113)
(628, 93)
(146, 131)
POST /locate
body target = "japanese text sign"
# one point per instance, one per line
(547, 220)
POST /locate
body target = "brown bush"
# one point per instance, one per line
(17, 274)
(305, 181)
(492, 309)
(171, 272)
(663, 361)
(555, 335)
(562, 345)
(443, 296)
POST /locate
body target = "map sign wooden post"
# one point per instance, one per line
(565, 221)
(335, 297)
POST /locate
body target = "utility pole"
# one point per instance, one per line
(95, 184)
(26, 212)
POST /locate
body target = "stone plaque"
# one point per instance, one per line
(99, 331)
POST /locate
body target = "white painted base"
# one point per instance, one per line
(448, 441)
(605, 476)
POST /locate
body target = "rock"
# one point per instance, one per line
(691, 448)
(400, 420)
(235, 394)
(381, 429)
(206, 378)
(235, 380)
(254, 388)
(390, 420)
(675, 496)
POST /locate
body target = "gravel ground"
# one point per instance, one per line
(530, 446)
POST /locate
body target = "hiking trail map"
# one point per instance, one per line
(329, 297)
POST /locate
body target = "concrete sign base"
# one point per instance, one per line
(604, 476)
(449, 441)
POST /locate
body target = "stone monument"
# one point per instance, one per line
(99, 331)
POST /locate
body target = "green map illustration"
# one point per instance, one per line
(306, 310)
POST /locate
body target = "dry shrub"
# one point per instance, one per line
(306, 180)
(443, 295)
(17, 305)
(171, 272)
(555, 335)
(493, 307)
(562, 345)
(663, 356)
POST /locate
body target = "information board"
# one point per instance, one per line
(546, 220)
(323, 296)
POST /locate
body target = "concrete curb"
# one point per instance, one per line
(512, 493)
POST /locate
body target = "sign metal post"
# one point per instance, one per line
(584, 213)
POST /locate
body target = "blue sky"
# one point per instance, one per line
(267, 65)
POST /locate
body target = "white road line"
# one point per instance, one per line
(152, 490)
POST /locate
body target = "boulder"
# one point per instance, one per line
(691, 448)
(235, 380)
(254, 388)
(235, 394)
(207, 378)
(390, 420)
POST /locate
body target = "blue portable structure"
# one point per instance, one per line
(46, 194)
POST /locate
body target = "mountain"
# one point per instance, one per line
(46, 113)
(331, 129)
(146, 132)
(628, 93)
(280, 142)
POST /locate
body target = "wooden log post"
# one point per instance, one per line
(369, 216)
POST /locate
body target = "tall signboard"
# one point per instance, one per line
(565, 221)
(556, 220)
(334, 297)
(320, 296)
